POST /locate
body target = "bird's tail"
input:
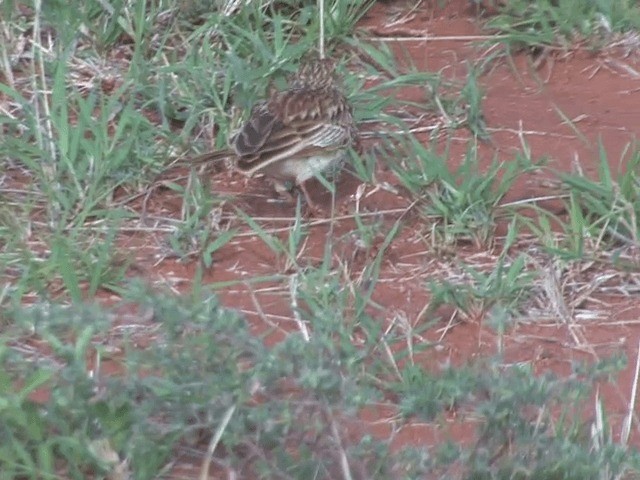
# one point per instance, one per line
(211, 160)
(210, 157)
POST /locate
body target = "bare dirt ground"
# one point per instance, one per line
(593, 91)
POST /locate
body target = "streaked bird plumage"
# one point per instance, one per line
(297, 133)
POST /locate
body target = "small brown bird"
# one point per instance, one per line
(297, 133)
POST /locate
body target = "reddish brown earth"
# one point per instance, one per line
(593, 91)
(521, 104)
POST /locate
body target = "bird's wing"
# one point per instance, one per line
(304, 126)
(253, 134)
(297, 141)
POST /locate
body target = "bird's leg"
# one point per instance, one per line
(311, 205)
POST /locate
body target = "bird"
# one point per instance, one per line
(297, 133)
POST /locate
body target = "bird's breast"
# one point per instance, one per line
(302, 169)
